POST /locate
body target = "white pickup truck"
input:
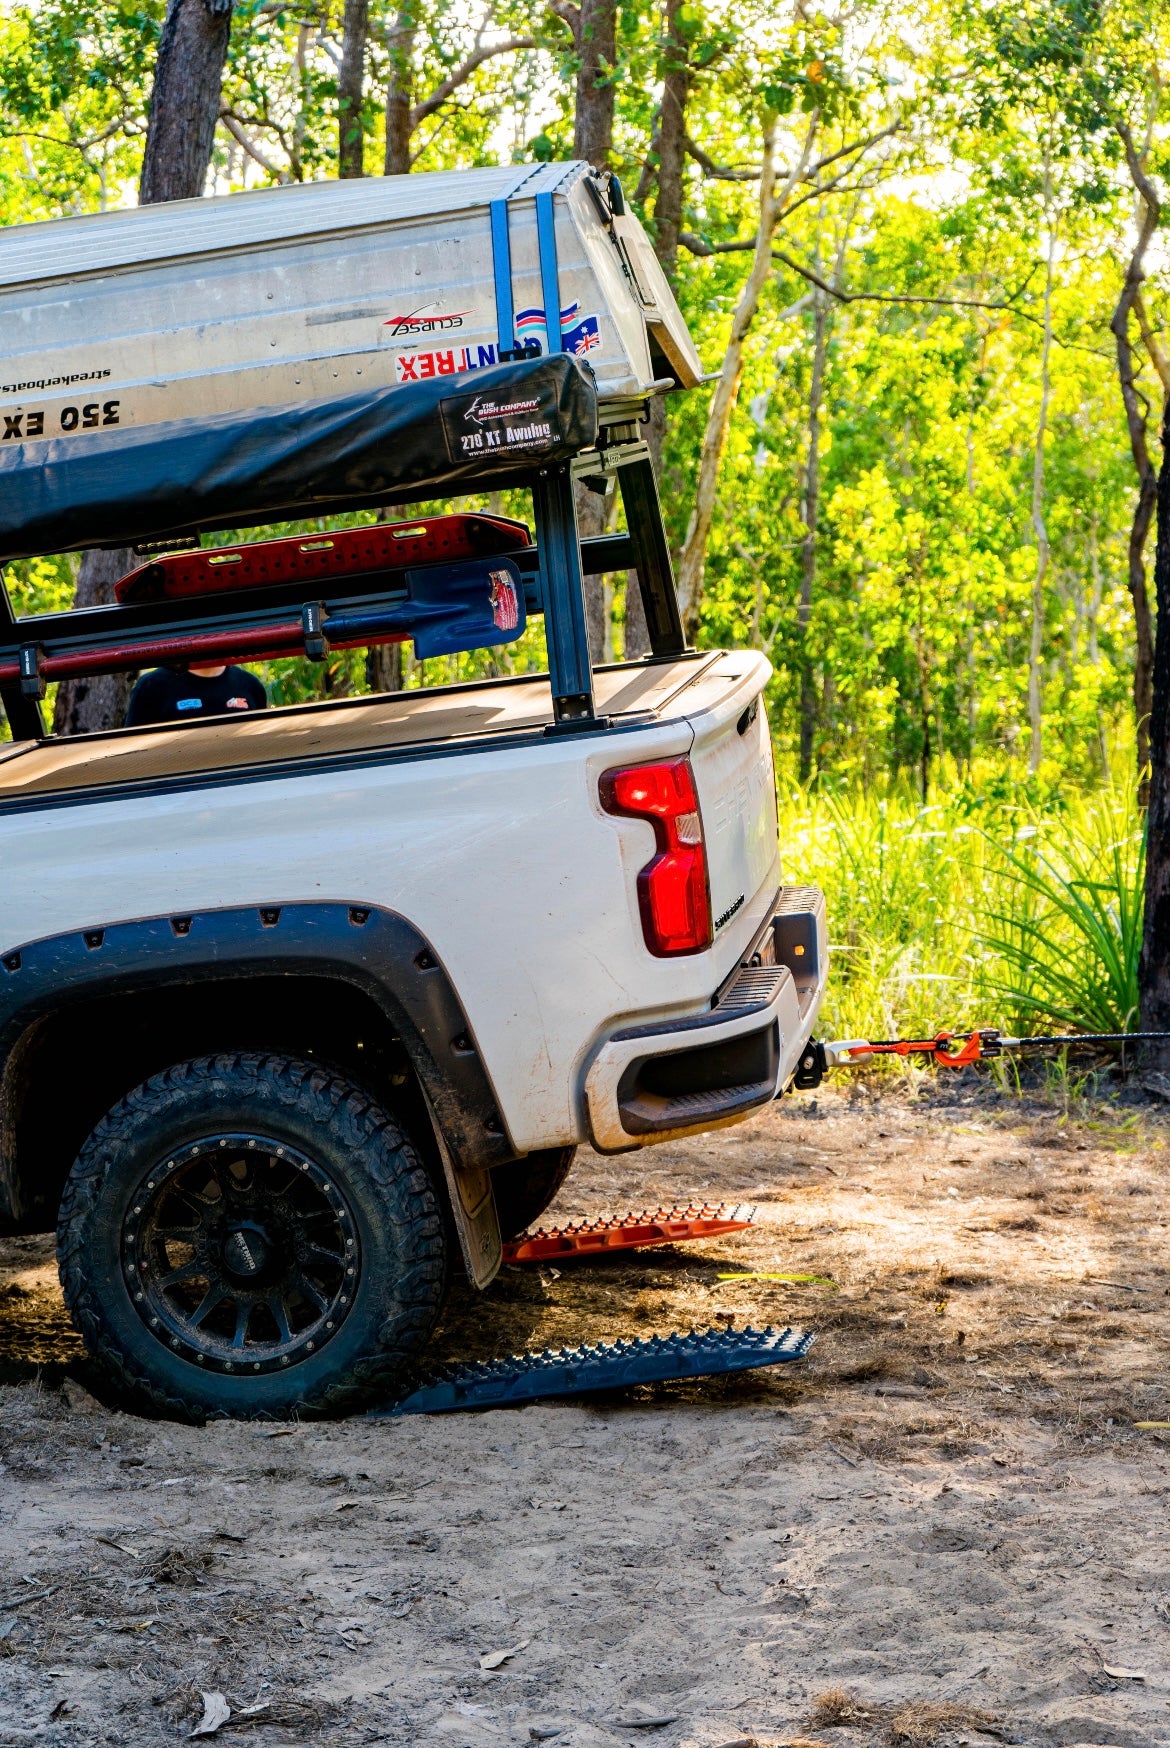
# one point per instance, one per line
(299, 1008)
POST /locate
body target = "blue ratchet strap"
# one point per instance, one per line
(502, 270)
(502, 263)
(546, 241)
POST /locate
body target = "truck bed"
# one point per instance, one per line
(454, 812)
(397, 724)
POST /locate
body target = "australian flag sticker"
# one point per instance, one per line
(579, 334)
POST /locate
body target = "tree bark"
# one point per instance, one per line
(384, 667)
(594, 27)
(404, 116)
(96, 701)
(672, 140)
(808, 546)
(1039, 525)
(591, 508)
(1154, 975)
(400, 93)
(692, 562)
(184, 109)
(351, 77)
(595, 34)
(1136, 410)
(668, 213)
(184, 104)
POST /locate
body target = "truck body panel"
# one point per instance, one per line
(500, 855)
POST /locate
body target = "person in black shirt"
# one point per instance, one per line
(189, 694)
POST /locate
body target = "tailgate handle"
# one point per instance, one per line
(748, 717)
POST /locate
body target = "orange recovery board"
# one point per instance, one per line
(631, 1231)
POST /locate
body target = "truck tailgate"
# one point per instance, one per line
(735, 779)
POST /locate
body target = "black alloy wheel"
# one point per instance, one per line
(253, 1236)
(241, 1254)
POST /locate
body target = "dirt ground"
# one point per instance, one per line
(942, 1528)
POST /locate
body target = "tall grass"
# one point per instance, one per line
(974, 911)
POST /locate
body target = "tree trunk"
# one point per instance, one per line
(691, 564)
(594, 27)
(351, 76)
(808, 546)
(1149, 212)
(384, 667)
(400, 93)
(184, 109)
(1039, 526)
(1143, 628)
(672, 141)
(96, 701)
(591, 521)
(925, 700)
(596, 36)
(184, 104)
(668, 211)
(1154, 977)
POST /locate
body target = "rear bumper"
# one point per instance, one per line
(674, 1078)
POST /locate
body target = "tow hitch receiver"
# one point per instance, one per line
(631, 1231)
(530, 1377)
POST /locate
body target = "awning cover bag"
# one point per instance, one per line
(426, 438)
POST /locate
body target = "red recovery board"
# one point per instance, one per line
(342, 552)
(631, 1231)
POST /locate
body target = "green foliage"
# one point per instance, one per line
(74, 77)
(1021, 912)
(1065, 925)
(910, 656)
(811, 73)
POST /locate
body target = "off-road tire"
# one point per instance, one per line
(525, 1187)
(378, 1177)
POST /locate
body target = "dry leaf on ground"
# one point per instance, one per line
(493, 1659)
(216, 1712)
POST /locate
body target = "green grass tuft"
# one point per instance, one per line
(974, 912)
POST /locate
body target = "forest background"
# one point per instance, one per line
(919, 246)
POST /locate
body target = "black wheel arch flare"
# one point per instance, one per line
(373, 949)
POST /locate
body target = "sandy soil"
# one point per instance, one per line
(943, 1528)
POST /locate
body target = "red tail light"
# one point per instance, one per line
(672, 889)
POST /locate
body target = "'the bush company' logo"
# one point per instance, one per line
(510, 421)
(482, 409)
(525, 429)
